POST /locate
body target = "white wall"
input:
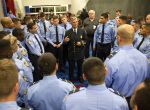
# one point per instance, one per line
(76, 5)
(19, 7)
(45, 2)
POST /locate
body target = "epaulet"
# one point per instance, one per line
(115, 92)
(34, 83)
(112, 54)
(74, 90)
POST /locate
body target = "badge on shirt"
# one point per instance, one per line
(25, 63)
(23, 52)
(25, 91)
(94, 27)
(81, 37)
(24, 78)
(29, 42)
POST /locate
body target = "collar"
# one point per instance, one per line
(126, 47)
(97, 87)
(50, 77)
(7, 29)
(8, 104)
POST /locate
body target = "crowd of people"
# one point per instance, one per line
(112, 55)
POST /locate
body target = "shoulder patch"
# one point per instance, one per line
(34, 83)
(23, 52)
(115, 92)
(74, 90)
(112, 54)
(29, 42)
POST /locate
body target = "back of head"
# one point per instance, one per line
(15, 20)
(94, 70)
(126, 33)
(18, 33)
(5, 21)
(124, 19)
(142, 96)
(8, 77)
(47, 64)
(5, 46)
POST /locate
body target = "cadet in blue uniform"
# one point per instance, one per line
(136, 26)
(7, 24)
(8, 85)
(27, 20)
(103, 38)
(22, 52)
(48, 93)
(43, 28)
(127, 67)
(143, 42)
(35, 48)
(65, 23)
(55, 39)
(141, 94)
(66, 26)
(96, 96)
(7, 47)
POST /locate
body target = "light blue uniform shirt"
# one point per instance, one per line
(126, 69)
(145, 46)
(136, 36)
(41, 31)
(22, 52)
(24, 84)
(11, 105)
(68, 26)
(26, 32)
(33, 45)
(23, 65)
(51, 38)
(109, 35)
(48, 93)
(95, 97)
(8, 30)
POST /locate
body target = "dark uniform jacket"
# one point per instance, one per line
(76, 52)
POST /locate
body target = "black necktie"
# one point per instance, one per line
(44, 27)
(140, 43)
(39, 44)
(57, 39)
(65, 26)
(102, 35)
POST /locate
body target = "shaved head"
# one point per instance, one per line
(91, 14)
(7, 22)
(91, 11)
(126, 32)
